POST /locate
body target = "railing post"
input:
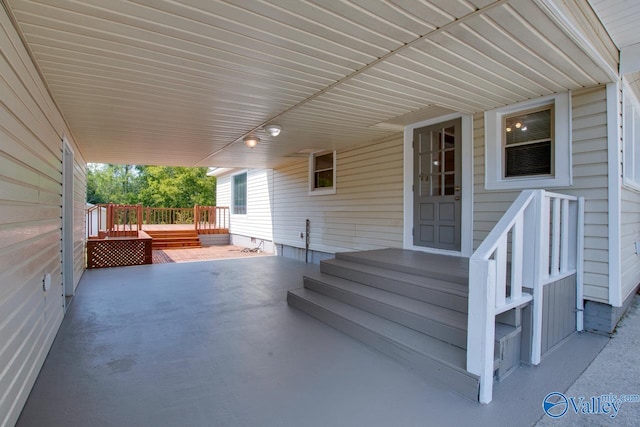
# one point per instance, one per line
(501, 272)
(541, 270)
(580, 266)
(517, 260)
(555, 237)
(481, 324)
(196, 216)
(564, 237)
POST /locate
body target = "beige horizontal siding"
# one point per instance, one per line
(365, 213)
(589, 152)
(79, 218)
(31, 130)
(629, 235)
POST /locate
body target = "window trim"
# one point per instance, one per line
(630, 152)
(494, 145)
(313, 191)
(233, 193)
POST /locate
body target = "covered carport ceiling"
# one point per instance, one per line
(182, 82)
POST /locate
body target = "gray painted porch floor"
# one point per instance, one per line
(215, 344)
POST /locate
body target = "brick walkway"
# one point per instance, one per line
(202, 254)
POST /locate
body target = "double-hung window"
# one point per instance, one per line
(528, 145)
(322, 173)
(528, 142)
(631, 138)
(240, 194)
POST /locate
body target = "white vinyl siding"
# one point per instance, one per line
(629, 235)
(365, 213)
(31, 132)
(257, 221)
(630, 194)
(589, 154)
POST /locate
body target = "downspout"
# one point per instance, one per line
(307, 241)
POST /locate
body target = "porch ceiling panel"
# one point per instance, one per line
(621, 18)
(182, 82)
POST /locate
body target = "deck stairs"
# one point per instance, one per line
(409, 305)
(174, 239)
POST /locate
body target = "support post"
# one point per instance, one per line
(580, 267)
(481, 325)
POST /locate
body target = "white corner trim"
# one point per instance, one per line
(614, 184)
(466, 232)
(494, 151)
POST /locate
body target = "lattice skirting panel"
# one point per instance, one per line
(118, 252)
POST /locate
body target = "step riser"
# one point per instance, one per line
(441, 331)
(432, 296)
(174, 239)
(176, 246)
(441, 275)
(427, 366)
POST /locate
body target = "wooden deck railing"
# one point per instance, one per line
(123, 220)
(211, 219)
(112, 220)
(168, 215)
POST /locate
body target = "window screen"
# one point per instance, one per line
(240, 194)
(323, 171)
(528, 144)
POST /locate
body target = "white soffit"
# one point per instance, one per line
(621, 18)
(181, 83)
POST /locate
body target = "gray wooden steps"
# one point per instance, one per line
(436, 291)
(447, 325)
(444, 267)
(431, 357)
(411, 306)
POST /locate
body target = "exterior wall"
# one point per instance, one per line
(31, 130)
(257, 222)
(603, 318)
(213, 239)
(79, 217)
(629, 235)
(589, 152)
(365, 213)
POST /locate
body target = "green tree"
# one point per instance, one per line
(154, 186)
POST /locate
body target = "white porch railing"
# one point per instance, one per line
(544, 232)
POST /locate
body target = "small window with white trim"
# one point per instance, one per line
(240, 194)
(527, 145)
(631, 138)
(322, 173)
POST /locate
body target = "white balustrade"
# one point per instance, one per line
(540, 238)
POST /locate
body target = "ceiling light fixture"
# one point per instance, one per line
(251, 141)
(273, 130)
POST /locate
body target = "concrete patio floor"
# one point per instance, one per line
(215, 344)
